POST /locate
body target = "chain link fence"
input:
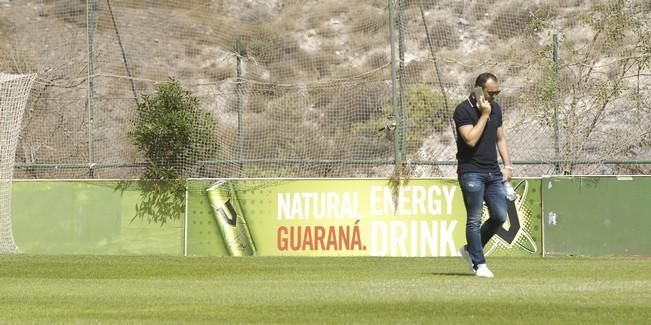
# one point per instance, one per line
(332, 88)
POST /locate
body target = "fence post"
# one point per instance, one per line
(394, 98)
(556, 101)
(90, 29)
(402, 112)
(238, 106)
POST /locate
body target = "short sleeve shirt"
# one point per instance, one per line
(483, 156)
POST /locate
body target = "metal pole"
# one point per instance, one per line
(394, 98)
(238, 105)
(556, 102)
(90, 29)
(402, 112)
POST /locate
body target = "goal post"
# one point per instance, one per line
(14, 91)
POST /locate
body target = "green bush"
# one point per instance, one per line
(169, 127)
(425, 113)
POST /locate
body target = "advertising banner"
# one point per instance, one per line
(347, 217)
(88, 217)
(597, 215)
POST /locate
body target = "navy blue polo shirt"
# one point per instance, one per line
(483, 156)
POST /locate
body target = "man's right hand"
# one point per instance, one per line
(484, 106)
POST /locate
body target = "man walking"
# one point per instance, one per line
(480, 137)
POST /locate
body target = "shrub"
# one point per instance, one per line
(425, 113)
(442, 34)
(169, 127)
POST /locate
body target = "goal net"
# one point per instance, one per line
(14, 90)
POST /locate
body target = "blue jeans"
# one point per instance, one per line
(477, 188)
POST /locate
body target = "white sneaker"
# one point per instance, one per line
(483, 271)
(466, 258)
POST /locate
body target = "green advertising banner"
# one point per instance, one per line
(347, 217)
(597, 215)
(87, 217)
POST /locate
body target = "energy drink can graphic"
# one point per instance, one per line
(227, 212)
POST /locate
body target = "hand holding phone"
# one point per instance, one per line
(483, 105)
(478, 92)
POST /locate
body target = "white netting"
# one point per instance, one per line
(14, 91)
(315, 83)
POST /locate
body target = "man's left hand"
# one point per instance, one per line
(508, 173)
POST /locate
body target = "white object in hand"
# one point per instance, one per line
(510, 192)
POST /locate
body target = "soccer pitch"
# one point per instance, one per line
(120, 289)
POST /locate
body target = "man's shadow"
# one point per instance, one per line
(451, 273)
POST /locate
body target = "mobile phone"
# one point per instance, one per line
(478, 92)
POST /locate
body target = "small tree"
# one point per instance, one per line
(596, 81)
(168, 128)
(425, 113)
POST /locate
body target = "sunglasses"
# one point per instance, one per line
(494, 93)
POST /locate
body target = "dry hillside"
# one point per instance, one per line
(315, 80)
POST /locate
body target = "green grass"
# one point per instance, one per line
(115, 289)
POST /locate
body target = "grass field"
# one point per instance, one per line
(118, 289)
